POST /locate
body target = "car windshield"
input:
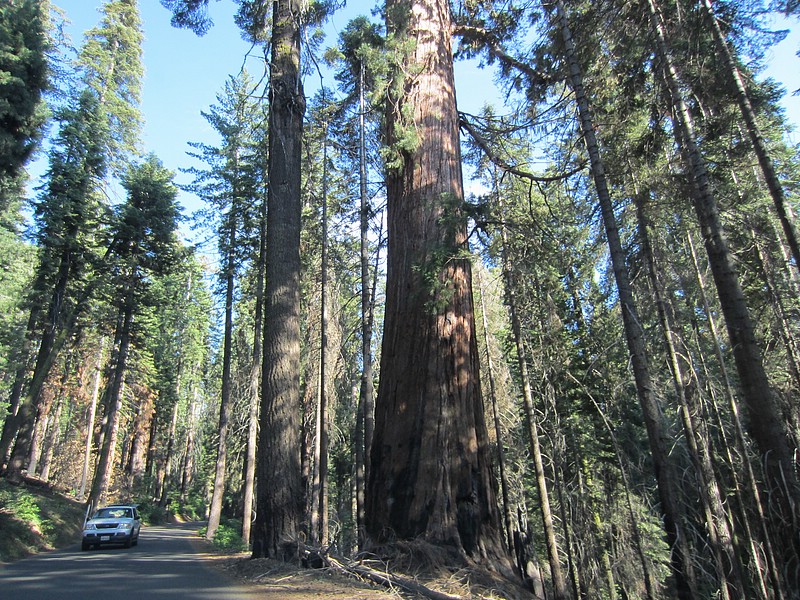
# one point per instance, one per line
(113, 513)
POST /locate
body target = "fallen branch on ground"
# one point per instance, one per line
(385, 579)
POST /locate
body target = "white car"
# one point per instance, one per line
(116, 524)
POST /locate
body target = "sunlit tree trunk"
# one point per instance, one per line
(255, 380)
(226, 402)
(430, 476)
(52, 438)
(113, 403)
(87, 457)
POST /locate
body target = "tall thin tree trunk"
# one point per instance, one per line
(754, 132)
(187, 470)
(30, 405)
(765, 423)
(508, 512)
(11, 423)
(657, 430)
(163, 499)
(113, 403)
(366, 402)
(551, 542)
(719, 533)
(279, 516)
(51, 439)
(45, 418)
(319, 491)
(255, 380)
(87, 456)
(742, 445)
(225, 405)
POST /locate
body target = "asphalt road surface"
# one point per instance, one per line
(168, 563)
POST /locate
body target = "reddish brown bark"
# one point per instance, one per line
(430, 475)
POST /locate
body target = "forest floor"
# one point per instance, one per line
(35, 518)
(282, 581)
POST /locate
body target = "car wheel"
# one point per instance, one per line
(127, 543)
(86, 546)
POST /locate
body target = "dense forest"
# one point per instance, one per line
(584, 376)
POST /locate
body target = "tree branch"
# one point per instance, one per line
(498, 160)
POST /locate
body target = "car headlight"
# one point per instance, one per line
(90, 526)
(126, 525)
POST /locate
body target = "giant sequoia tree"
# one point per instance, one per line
(430, 475)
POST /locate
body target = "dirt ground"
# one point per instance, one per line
(280, 581)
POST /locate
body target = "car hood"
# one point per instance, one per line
(109, 521)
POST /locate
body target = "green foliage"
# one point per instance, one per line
(194, 508)
(35, 519)
(228, 536)
(23, 79)
(22, 505)
(151, 512)
(111, 63)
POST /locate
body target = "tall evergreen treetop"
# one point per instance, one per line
(67, 211)
(145, 232)
(111, 64)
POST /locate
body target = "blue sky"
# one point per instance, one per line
(185, 72)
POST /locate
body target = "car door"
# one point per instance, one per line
(137, 523)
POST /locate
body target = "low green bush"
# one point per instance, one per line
(228, 536)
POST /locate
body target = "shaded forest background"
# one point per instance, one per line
(634, 267)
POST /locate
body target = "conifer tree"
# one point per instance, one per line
(23, 79)
(230, 185)
(67, 214)
(144, 244)
(110, 62)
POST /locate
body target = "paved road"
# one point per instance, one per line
(167, 564)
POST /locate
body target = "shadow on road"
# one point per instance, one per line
(167, 563)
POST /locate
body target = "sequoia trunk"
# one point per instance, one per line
(430, 476)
